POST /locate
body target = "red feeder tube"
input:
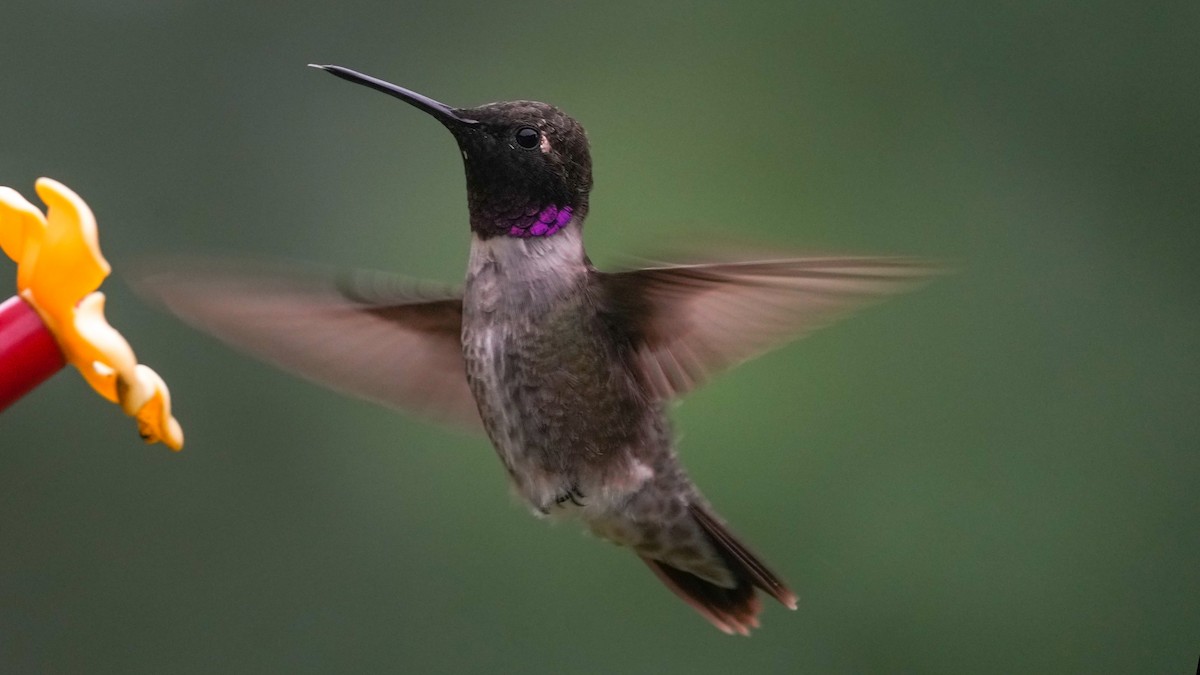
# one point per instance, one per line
(29, 354)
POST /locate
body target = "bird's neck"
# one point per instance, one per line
(528, 270)
(522, 217)
(546, 221)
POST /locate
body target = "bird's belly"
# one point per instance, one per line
(566, 425)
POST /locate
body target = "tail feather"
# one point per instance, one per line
(729, 546)
(732, 610)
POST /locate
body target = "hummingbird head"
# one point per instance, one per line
(529, 171)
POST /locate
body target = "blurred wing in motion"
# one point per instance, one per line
(367, 335)
(686, 323)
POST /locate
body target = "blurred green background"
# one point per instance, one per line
(996, 474)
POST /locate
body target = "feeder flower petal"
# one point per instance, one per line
(59, 268)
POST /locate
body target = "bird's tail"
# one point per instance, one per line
(734, 609)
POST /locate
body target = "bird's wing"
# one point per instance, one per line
(685, 323)
(367, 335)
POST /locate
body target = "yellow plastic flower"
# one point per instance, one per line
(59, 268)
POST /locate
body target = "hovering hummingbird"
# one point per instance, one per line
(569, 370)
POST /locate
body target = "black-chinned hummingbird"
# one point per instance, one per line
(569, 370)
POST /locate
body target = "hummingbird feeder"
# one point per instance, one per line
(57, 316)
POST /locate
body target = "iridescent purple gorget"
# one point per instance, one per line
(546, 222)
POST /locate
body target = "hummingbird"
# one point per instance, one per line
(569, 370)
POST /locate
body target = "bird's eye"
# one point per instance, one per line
(528, 137)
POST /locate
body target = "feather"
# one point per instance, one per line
(369, 335)
(685, 323)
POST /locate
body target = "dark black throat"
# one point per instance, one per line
(503, 194)
(501, 212)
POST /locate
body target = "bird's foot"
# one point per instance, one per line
(572, 495)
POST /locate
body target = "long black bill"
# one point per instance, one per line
(444, 113)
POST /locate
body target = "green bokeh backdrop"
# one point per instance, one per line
(997, 474)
